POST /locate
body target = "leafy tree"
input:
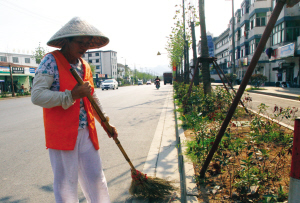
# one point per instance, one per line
(175, 44)
(258, 79)
(38, 54)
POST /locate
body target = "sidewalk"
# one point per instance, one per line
(283, 92)
(165, 159)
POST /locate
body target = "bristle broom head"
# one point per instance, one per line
(149, 187)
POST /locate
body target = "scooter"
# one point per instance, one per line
(157, 82)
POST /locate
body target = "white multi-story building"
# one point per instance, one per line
(22, 67)
(104, 61)
(281, 64)
(20, 59)
(221, 52)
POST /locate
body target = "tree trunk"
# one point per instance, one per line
(204, 50)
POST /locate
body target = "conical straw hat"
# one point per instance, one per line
(77, 27)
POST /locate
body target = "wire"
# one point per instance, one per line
(28, 12)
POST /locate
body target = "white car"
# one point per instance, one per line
(149, 82)
(140, 82)
(109, 84)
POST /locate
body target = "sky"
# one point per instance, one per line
(137, 29)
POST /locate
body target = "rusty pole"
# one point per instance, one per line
(221, 79)
(218, 67)
(257, 53)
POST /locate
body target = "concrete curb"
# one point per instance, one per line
(191, 190)
(275, 94)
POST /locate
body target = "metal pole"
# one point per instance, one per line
(12, 82)
(233, 42)
(185, 47)
(218, 67)
(257, 53)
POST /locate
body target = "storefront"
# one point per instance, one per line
(20, 75)
(286, 66)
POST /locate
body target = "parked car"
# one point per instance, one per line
(140, 82)
(109, 84)
(148, 82)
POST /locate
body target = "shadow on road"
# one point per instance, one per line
(8, 199)
(149, 102)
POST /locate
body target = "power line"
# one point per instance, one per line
(27, 12)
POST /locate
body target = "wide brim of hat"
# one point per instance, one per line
(77, 27)
(96, 42)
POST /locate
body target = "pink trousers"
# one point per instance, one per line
(83, 164)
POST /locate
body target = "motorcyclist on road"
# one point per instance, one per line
(157, 81)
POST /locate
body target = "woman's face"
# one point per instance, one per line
(78, 46)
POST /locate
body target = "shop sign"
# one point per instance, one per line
(31, 70)
(17, 70)
(101, 75)
(284, 51)
(4, 69)
(287, 50)
(243, 62)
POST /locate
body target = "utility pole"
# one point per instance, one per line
(12, 82)
(233, 42)
(185, 72)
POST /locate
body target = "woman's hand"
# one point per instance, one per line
(115, 132)
(80, 91)
(114, 135)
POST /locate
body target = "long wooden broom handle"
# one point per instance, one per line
(102, 117)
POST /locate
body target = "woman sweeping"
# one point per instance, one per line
(70, 132)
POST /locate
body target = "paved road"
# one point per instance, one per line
(270, 101)
(25, 170)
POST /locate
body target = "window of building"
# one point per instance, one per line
(15, 59)
(278, 34)
(244, 9)
(90, 61)
(97, 54)
(237, 35)
(97, 67)
(90, 55)
(253, 44)
(83, 55)
(3, 58)
(27, 60)
(292, 30)
(260, 19)
(251, 20)
(97, 60)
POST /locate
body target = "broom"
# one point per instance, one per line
(141, 184)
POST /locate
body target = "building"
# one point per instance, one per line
(121, 70)
(22, 67)
(221, 51)
(280, 60)
(105, 62)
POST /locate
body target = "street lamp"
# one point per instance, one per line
(158, 53)
(233, 42)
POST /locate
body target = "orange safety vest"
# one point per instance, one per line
(61, 125)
